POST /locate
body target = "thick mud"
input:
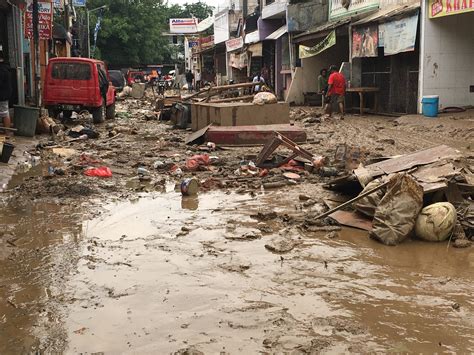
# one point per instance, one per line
(160, 273)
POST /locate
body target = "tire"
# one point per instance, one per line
(67, 115)
(53, 113)
(110, 112)
(98, 114)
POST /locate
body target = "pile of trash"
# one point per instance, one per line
(428, 194)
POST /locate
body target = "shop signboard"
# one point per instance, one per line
(183, 25)
(440, 8)
(398, 36)
(45, 17)
(365, 41)
(343, 8)
(79, 3)
(329, 41)
(207, 42)
(58, 4)
(234, 44)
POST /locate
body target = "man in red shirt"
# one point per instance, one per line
(336, 91)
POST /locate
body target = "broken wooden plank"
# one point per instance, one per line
(408, 161)
(352, 219)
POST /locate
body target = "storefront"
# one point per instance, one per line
(385, 54)
(318, 49)
(447, 52)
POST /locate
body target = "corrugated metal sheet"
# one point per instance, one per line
(328, 26)
(387, 13)
(278, 33)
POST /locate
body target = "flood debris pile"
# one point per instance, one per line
(427, 194)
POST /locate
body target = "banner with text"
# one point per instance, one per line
(234, 44)
(329, 41)
(440, 8)
(398, 36)
(45, 15)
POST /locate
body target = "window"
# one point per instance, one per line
(71, 71)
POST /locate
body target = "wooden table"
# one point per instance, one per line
(364, 90)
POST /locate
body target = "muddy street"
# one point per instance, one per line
(129, 265)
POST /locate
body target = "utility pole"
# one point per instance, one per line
(37, 53)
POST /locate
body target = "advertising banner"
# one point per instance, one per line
(183, 25)
(343, 8)
(45, 13)
(329, 41)
(398, 36)
(365, 41)
(440, 8)
(234, 44)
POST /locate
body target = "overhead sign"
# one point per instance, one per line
(79, 3)
(207, 42)
(234, 44)
(440, 8)
(398, 36)
(58, 4)
(183, 25)
(45, 24)
(329, 41)
(343, 8)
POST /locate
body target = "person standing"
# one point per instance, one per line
(6, 90)
(258, 78)
(323, 81)
(198, 79)
(336, 91)
(189, 81)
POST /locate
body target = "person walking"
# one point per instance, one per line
(6, 90)
(189, 80)
(336, 91)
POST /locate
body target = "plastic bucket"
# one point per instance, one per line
(429, 105)
(6, 152)
(25, 119)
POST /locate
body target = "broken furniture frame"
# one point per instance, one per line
(275, 142)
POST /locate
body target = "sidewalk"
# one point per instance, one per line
(21, 144)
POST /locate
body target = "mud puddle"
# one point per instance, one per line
(164, 273)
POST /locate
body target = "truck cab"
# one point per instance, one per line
(77, 84)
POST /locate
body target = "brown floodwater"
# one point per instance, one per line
(162, 273)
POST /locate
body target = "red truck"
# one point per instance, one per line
(77, 84)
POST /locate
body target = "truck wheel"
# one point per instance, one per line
(98, 114)
(110, 112)
(53, 112)
(67, 115)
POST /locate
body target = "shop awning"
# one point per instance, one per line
(205, 24)
(388, 13)
(278, 33)
(60, 33)
(320, 31)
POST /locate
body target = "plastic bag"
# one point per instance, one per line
(263, 98)
(101, 171)
(196, 161)
(367, 205)
(396, 214)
